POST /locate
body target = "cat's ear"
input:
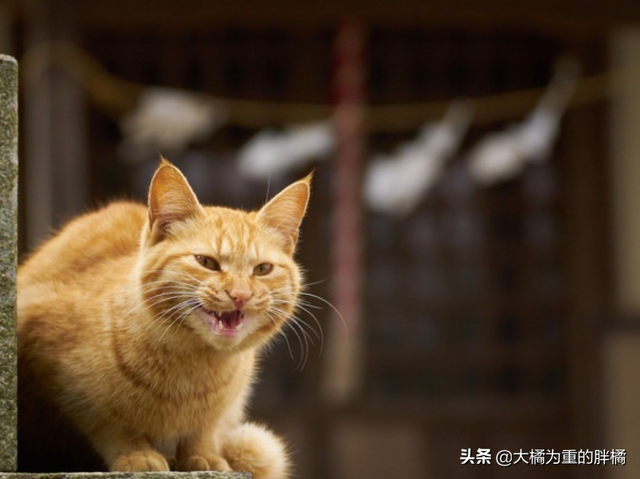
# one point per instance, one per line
(284, 213)
(171, 199)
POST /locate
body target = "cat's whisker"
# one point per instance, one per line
(162, 298)
(280, 293)
(328, 303)
(280, 315)
(166, 293)
(266, 197)
(173, 289)
(304, 339)
(270, 317)
(303, 305)
(298, 300)
(303, 354)
(168, 296)
(186, 307)
(313, 283)
(307, 338)
(309, 305)
(152, 301)
(178, 312)
(166, 287)
(168, 313)
(302, 287)
(319, 335)
(299, 303)
(300, 322)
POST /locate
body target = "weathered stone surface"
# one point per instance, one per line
(129, 475)
(8, 258)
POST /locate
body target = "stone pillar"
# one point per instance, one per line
(8, 260)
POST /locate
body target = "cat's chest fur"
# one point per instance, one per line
(166, 393)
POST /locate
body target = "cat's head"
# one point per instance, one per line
(226, 275)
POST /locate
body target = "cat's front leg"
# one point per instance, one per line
(124, 454)
(200, 453)
(140, 461)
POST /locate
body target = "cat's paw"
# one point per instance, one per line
(141, 461)
(210, 462)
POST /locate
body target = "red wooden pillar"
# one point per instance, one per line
(343, 367)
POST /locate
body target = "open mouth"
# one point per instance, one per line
(225, 323)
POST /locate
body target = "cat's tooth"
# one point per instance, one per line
(221, 325)
(239, 326)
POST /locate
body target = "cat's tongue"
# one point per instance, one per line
(226, 323)
(229, 321)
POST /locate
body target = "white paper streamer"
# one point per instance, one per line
(166, 120)
(274, 153)
(504, 155)
(396, 183)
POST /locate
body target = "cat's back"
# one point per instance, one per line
(61, 292)
(85, 244)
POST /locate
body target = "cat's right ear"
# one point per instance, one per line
(171, 200)
(284, 213)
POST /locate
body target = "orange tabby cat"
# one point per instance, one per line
(140, 327)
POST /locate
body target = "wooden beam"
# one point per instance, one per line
(578, 15)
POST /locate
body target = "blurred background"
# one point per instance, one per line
(474, 214)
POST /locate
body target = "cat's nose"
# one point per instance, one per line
(239, 297)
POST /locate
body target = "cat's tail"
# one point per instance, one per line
(253, 448)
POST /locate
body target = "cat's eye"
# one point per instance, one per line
(207, 262)
(263, 269)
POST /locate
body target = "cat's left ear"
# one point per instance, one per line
(171, 199)
(285, 211)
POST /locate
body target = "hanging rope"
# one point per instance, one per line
(115, 96)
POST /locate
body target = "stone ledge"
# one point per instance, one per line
(126, 475)
(8, 255)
